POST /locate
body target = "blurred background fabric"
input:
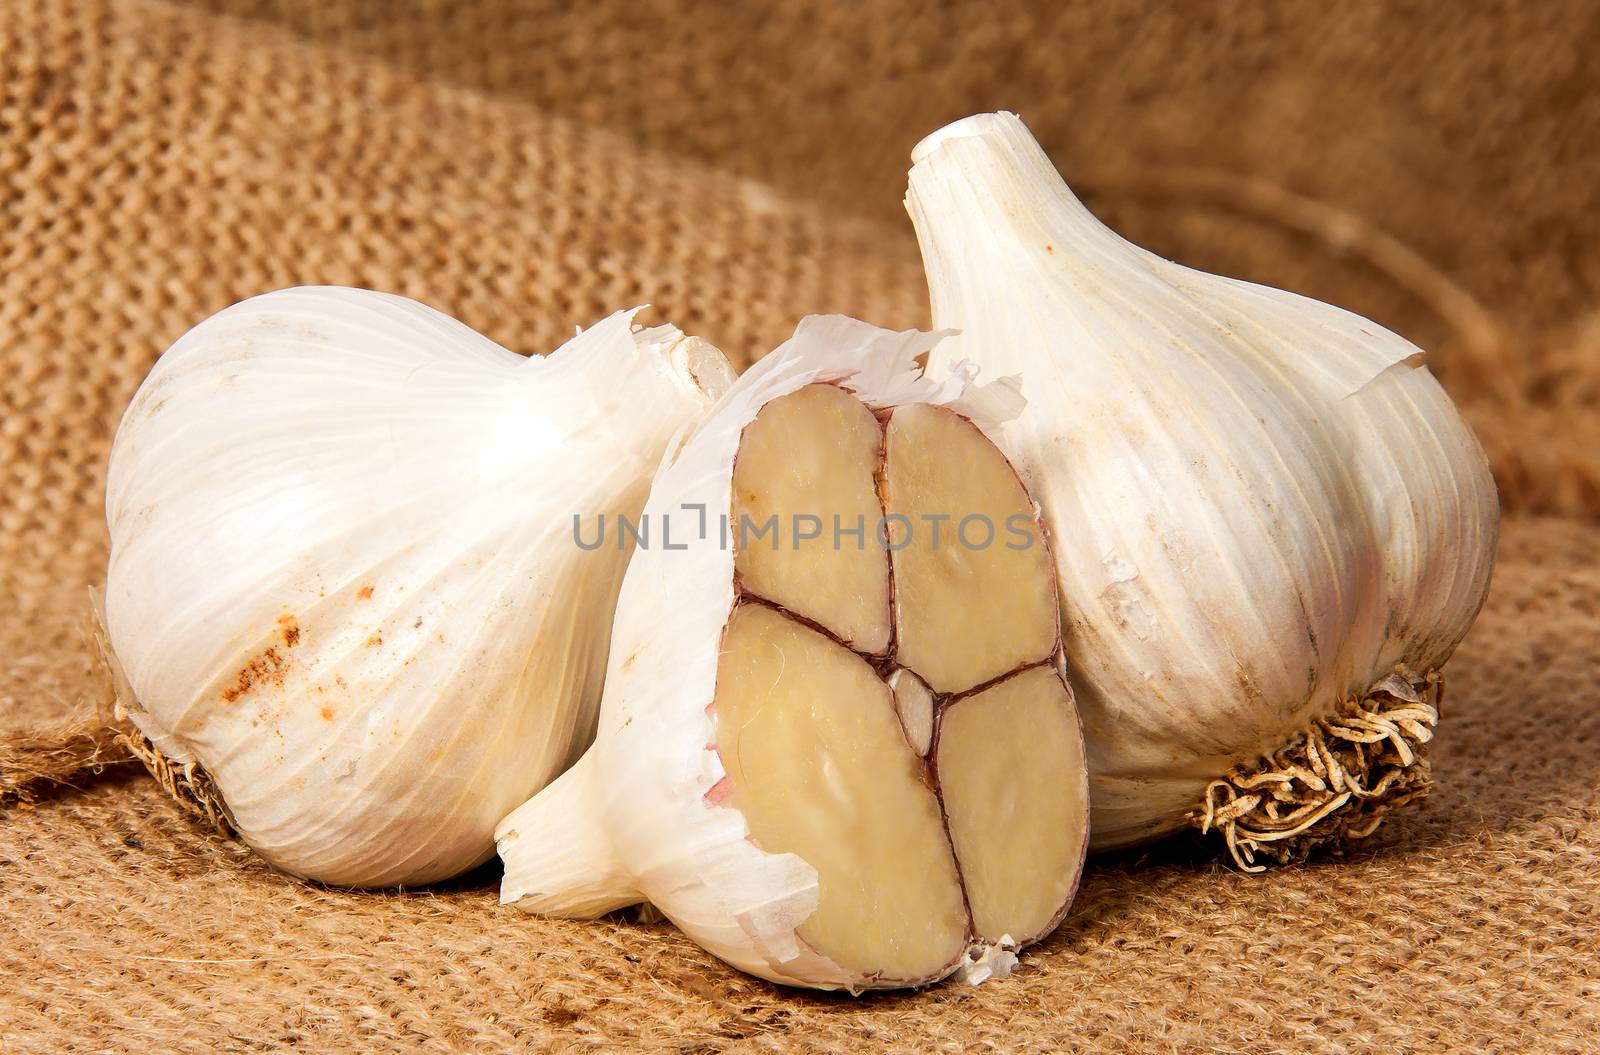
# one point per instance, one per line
(530, 167)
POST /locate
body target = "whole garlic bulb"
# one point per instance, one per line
(834, 753)
(343, 577)
(1278, 526)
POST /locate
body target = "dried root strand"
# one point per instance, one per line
(186, 782)
(1333, 783)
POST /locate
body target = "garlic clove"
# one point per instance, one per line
(344, 581)
(1272, 505)
(914, 703)
(779, 788)
(818, 767)
(997, 748)
(976, 600)
(799, 565)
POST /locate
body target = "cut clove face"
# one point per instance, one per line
(975, 597)
(917, 852)
(803, 478)
(839, 750)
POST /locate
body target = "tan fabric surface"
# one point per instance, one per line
(529, 167)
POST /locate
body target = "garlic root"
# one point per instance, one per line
(188, 784)
(864, 769)
(1335, 782)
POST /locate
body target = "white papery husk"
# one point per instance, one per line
(632, 821)
(343, 579)
(1263, 505)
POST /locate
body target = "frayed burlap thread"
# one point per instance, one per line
(35, 761)
(1335, 782)
(78, 748)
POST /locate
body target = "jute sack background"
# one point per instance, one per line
(530, 167)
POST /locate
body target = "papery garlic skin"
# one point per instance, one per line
(646, 814)
(343, 578)
(1266, 504)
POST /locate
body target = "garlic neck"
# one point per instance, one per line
(559, 860)
(992, 213)
(625, 392)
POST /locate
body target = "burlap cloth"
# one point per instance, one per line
(532, 166)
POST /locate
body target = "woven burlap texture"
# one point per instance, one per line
(529, 167)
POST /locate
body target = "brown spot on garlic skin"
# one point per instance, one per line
(265, 668)
(327, 714)
(290, 631)
(374, 641)
(365, 593)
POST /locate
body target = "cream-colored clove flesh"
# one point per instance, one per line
(803, 478)
(819, 767)
(817, 757)
(974, 596)
(892, 731)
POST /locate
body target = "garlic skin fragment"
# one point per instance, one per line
(733, 726)
(343, 575)
(1272, 506)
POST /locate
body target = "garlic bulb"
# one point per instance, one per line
(1277, 525)
(343, 581)
(835, 749)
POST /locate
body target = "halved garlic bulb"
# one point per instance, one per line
(343, 578)
(1280, 527)
(836, 745)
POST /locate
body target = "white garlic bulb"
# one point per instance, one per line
(343, 575)
(833, 752)
(1273, 525)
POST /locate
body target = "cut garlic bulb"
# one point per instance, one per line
(1280, 527)
(343, 579)
(836, 745)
